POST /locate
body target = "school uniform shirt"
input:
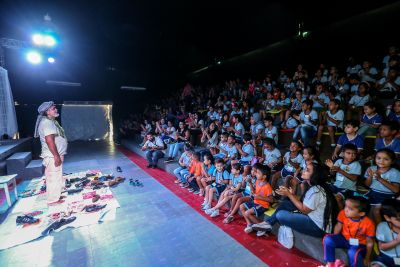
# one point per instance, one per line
(284, 102)
(235, 180)
(271, 132)
(212, 115)
(359, 101)
(222, 146)
(263, 189)
(298, 159)
(312, 116)
(249, 149)
(366, 78)
(325, 99)
(393, 116)
(375, 119)
(185, 159)
(353, 69)
(339, 116)
(220, 176)
(269, 104)
(247, 189)
(239, 127)
(388, 87)
(385, 234)
(394, 145)
(392, 176)
(271, 155)
(256, 128)
(225, 125)
(358, 141)
(341, 180)
(296, 105)
(354, 88)
(315, 199)
(358, 229)
(231, 150)
(209, 170)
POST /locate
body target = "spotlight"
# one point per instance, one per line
(38, 39)
(34, 57)
(51, 60)
(49, 40)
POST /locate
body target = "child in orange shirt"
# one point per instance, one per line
(261, 197)
(195, 169)
(354, 231)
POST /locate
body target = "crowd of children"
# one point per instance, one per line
(349, 197)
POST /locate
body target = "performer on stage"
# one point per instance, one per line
(54, 147)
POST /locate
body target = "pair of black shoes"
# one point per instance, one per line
(26, 219)
(94, 208)
(57, 224)
(151, 166)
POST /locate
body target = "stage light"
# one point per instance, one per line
(49, 41)
(34, 57)
(38, 39)
(51, 60)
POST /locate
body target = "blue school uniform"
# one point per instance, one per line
(394, 145)
(271, 132)
(379, 192)
(219, 181)
(342, 181)
(271, 156)
(393, 116)
(249, 149)
(288, 169)
(375, 119)
(358, 141)
(236, 180)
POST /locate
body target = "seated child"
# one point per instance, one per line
(184, 162)
(310, 155)
(350, 136)
(234, 187)
(272, 157)
(223, 143)
(388, 132)
(242, 197)
(206, 173)
(220, 179)
(358, 101)
(270, 130)
(394, 113)
(296, 103)
(194, 172)
(382, 179)
(247, 152)
(346, 170)
(261, 197)
(231, 150)
(333, 121)
(388, 235)
(291, 161)
(353, 231)
(370, 121)
(308, 123)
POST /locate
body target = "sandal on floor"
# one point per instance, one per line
(228, 219)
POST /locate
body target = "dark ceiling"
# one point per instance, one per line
(165, 40)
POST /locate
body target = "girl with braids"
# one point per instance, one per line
(316, 210)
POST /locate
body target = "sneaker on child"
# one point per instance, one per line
(248, 229)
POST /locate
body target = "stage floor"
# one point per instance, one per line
(153, 227)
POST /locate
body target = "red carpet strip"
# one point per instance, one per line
(266, 248)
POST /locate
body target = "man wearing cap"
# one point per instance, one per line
(54, 147)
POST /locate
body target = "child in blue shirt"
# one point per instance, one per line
(291, 161)
(270, 130)
(382, 179)
(220, 179)
(350, 136)
(308, 123)
(247, 152)
(207, 172)
(333, 121)
(223, 143)
(388, 132)
(235, 185)
(370, 121)
(394, 114)
(272, 157)
(388, 235)
(346, 170)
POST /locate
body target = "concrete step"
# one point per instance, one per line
(3, 167)
(34, 169)
(17, 162)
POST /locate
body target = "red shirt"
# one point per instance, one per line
(360, 229)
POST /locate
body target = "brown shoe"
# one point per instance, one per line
(95, 198)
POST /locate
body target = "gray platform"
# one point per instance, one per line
(17, 162)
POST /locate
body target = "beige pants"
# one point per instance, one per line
(54, 179)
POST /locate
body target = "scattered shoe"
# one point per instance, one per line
(57, 224)
(26, 219)
(215, 213)
(74, 191)
(228, 219)
(206, 207)
(209, 211)
(60, 201)
(119, 169)
(94, 208)
(263, 226)
(149, 166)
(95, 198)
(261, 233)
(248, 229)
